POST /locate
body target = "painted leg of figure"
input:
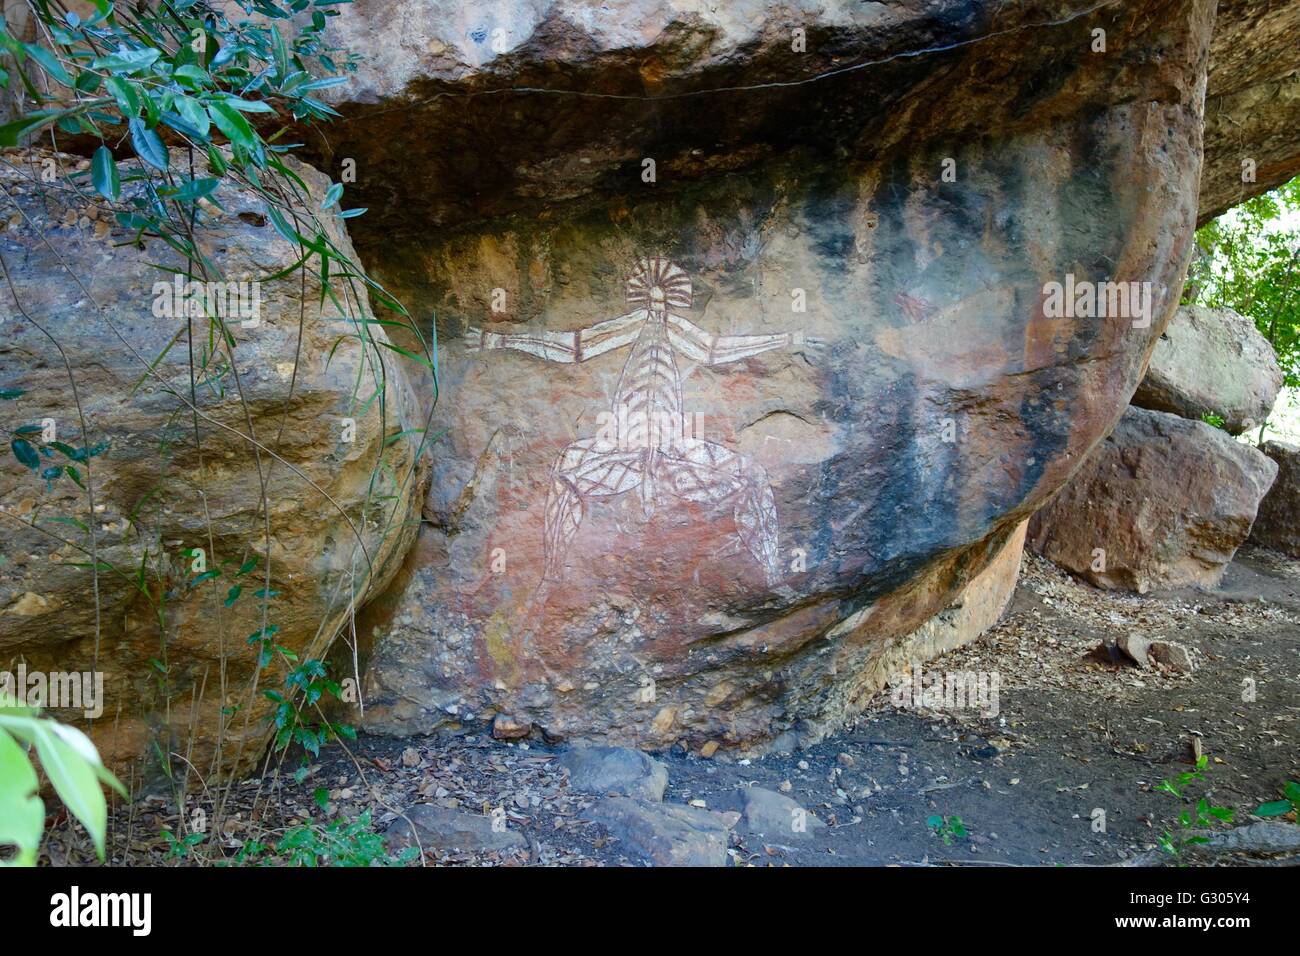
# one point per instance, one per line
(756, 522)
(589, 468)
(698, 470)
(563, 516)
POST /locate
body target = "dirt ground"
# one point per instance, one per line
(1078, 732)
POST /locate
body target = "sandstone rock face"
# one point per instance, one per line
(440, 79)
(1212, 361)
(172, 645)
(718, 440)
(1252, 107)
(1278, 523)
(978, 607)
(1163, 502)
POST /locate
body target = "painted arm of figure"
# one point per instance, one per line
(575, 345)
(710, 349)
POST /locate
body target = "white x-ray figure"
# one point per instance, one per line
(651, 448)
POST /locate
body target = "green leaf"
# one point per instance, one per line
(48, 62)
(25, 452)
(193, 190)
(70, 771)
(22, 815)
(103, 173)
(281, 53)
(192, 111)
(147, 145)
(1292, 791)
(247, 106)
(195, 76)
(11, 133)
(324, 83)
(179, 124)
(216, 161)
(232, 124)
(1275, 808)
(128, 100)
(125, 61)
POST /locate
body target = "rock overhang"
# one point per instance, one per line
(582, 93)
(563, 575)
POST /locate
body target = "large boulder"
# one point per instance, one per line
(1163, 502)
(302, 412)
(872, 345)
(1278, 523)
(1212, 361)
(587, 73)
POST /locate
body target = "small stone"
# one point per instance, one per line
(1136, 647)
(617, 770)
(709, 749)
(1173, 655)
(844, 759)
(663, 721)
(667, 834)
(445, 829)
(505, 727)
(410, 757)
(768, 813)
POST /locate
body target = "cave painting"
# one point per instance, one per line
(647, 443)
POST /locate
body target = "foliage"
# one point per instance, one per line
(71, 763)
(306, 684)
(205, 101)
(1189, 821)
(338, 843)
(1289, 804)
(180, 848)
(1249, 264)
(949, 828)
